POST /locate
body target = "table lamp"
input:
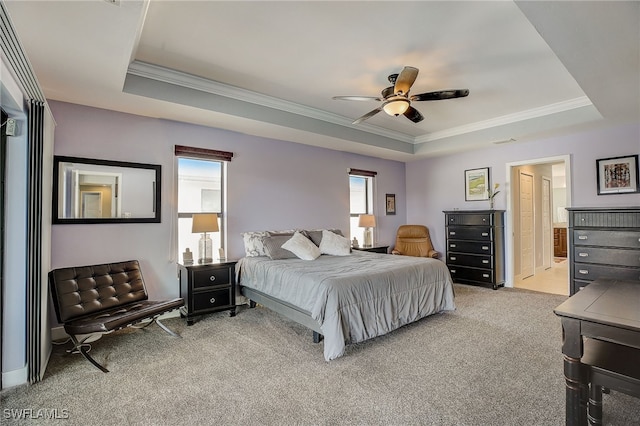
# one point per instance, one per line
(367, 221)
(205, 222)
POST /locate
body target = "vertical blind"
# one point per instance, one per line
(34, 239)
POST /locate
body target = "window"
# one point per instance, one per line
(361, 199)
(201, 189)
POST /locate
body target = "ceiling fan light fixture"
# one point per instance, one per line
(396, 107)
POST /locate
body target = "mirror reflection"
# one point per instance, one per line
(102, 191)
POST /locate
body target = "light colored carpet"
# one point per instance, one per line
(496, 360)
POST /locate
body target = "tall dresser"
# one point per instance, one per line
(475, 246)
(603, 242)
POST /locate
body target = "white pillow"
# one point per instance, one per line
(302, 247)
(334, 244)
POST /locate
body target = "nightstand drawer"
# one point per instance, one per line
(211, 299)
(210, 277)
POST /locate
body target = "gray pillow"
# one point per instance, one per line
(273, 247)
(316, 235)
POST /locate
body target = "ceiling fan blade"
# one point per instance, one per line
(367, 115)
(440, 95)
(405, 80)
(357, 98)
(413, 114)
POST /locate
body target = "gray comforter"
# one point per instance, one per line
(356, 297)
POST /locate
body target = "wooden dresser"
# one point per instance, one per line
(603, 243)
(475, 246)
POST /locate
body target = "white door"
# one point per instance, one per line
(527, 260)
(547, 228)
(91, 204)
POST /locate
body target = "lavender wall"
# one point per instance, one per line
(437, 184)
(272, 184)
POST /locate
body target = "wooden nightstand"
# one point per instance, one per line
(374, 249)
(207, 288)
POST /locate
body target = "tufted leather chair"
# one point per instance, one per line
(104, 298)
(414, 240)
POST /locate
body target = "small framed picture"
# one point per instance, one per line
(391, 204)
(617, 175)
(476, 184)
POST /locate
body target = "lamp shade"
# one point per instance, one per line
(205, 222)
(367, 221)
(396, 107)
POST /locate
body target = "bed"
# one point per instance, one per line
(351, 298)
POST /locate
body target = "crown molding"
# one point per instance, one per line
(179, 78)
(182, 79)
(555, 108)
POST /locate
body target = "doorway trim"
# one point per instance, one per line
(509, 227)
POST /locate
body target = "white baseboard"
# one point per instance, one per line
(14, 378)
(58, 333)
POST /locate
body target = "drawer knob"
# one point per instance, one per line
(485, 275)
(452, 233)
(453, 271)
(485, 234)
(582, 237)
(452, 257)
(212, 278)
(485, 247)
(452, 245)
(485, 261)
(583, 254)
(484, 219)
(212, 300)
(584, 271)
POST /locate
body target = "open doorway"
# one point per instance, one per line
(539, 192)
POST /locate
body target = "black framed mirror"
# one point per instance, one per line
(87, 190)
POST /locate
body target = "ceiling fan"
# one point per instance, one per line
(396, 100)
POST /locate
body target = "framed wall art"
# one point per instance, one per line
(617, 175)
(390, 204)
(476, 183)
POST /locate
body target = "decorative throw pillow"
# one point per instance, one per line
(334, 244)
(273, 247)
(253, 243)
(302, 247)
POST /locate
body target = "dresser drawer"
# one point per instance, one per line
(628, 239)
(471, 274)
(211, 299)
(473, 247)
(470, 219)
(607, 256)
(590, 272)
(476, 261)
(477, 233)
(210, 277)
